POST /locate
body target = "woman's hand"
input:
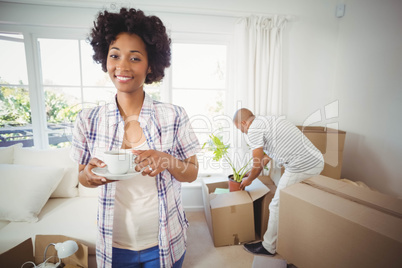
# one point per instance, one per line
(88, 178)
(151, 162)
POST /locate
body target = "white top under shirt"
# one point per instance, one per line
(284, 142)
(136, 216)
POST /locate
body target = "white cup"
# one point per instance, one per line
(118, 161)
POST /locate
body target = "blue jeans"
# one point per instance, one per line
(147, 258)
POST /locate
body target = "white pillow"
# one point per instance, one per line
(25, 190)
(7, 153)
(52, 158)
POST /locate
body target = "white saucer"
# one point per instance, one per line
(103, 172)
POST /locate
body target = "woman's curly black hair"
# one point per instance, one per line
(149, 28)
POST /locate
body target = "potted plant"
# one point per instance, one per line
(220, 151)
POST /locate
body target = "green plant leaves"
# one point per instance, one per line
(220, 151)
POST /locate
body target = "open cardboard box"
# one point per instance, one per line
(330, 142)
(24, 252)
(328, 223)
(261, 207)
(230, 216)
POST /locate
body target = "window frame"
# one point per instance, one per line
(70, 34)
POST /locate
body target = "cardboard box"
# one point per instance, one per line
(330, 142)
(24, 252)
(261, 208)
(328, 223)
(230, 216)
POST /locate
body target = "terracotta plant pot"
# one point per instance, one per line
(233, 185)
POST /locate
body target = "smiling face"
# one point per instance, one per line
(127, 63)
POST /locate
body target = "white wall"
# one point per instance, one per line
(355, 60)
(368, 85)
(360, 66)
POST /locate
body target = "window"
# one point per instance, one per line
(68, 80)
(71, 81)
(199, 85)
(15, 111)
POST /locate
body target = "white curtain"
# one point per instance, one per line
(258, 70)
(258, 61)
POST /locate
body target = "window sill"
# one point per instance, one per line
(198, 182)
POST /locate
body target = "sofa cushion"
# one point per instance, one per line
(25, 190)
(73, 217)
(55, 158)
(7, 153)
(87, 192)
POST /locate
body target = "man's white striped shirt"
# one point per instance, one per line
(284, 142)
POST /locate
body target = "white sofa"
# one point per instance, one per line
(40, 194)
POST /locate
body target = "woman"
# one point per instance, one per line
(141, 222)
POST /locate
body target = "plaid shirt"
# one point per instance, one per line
(167, 128)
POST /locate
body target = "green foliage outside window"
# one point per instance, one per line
(58, 110)
(15, 109)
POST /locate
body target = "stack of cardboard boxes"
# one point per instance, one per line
(323, 222)
(330, 142)
(329, 223)
(239, 217)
